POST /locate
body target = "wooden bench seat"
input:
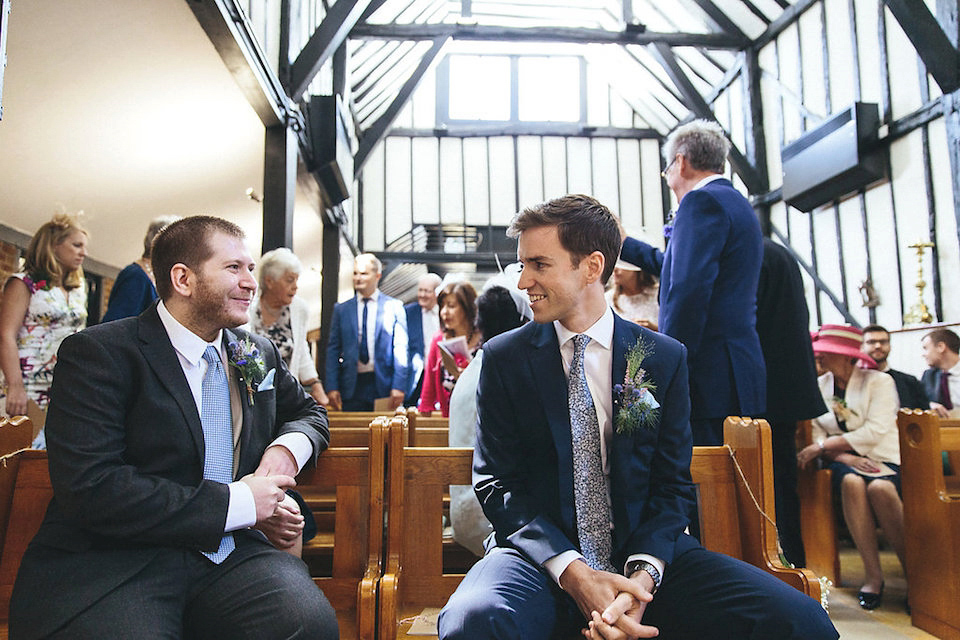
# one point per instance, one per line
(353, 543)
(931, 518)
(818, 519)
(414, 578)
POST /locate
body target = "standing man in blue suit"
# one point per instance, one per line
(708, 281)
(585, 474)
(367, 352)
(423, 321)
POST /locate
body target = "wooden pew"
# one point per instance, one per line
(25, 492)
(418, 477)
(355, 476)
(931, 517)
(818, 522)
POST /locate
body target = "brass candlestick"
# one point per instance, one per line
(918, 312)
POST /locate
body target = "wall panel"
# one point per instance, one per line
(476, 193)
(530, 170)
(451, 181)
(426, 180)
(503, 194)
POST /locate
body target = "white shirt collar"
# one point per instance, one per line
(188, 344)
(706, 181)
(955, 370)
(600, 332)
(373, 297)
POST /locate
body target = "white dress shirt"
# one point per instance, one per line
(598, 367)
(371, 328)
(430, 323)
(241, 510)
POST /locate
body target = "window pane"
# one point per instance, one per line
(549, 89)
(479, 88)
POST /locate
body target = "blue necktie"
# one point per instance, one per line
(590, 486)
(217, 435)
(364, 351)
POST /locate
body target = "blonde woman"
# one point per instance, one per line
(41, 306)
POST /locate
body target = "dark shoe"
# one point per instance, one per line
(870, 601)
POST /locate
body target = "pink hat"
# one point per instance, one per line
(842, 340)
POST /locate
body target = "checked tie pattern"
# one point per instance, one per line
(217, 435)
(590, 486)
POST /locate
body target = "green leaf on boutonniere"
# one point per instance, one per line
(638, 408)
(246, 358)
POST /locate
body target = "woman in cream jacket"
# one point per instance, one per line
(857, 440)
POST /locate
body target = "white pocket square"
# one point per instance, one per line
(267, 383)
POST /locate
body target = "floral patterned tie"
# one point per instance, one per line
(590, 486)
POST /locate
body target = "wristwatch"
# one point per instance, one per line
(642, 565)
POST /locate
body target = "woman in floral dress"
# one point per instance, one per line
(41, 306)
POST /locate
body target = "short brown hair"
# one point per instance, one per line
(186, 241)
(945, 336)
(466, 297)
(583, 226)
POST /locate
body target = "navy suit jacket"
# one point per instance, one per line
(416, 347)
(126, 463)
(931, 385)
(708, 298)
(389, 351)
(523, 460)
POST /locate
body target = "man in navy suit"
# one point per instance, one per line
(708, 281)
(367, 351)
(423, 321)
(142, 539)
(941, 350)
(625, 567)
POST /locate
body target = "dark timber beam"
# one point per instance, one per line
(233, 38)
(722, 20)
(328, 37)
(329, 290)
(695, 102)
(558, 129)
(933, 46)
(755, 140)
(279, 187)
(539, 34)
(378, 129)
(788, 17)
(947, 14)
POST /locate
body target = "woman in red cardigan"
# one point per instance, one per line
(458, 312)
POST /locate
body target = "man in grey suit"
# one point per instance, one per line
(941, 381)
(172, 438)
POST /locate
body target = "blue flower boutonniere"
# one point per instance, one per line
(246, 358)
(638, 407)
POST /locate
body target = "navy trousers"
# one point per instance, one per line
(703, 595)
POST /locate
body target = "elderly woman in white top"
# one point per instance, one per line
(858, 441)
(278, 314)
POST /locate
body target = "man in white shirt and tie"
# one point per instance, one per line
(367, 350)
(169, 459)
(423, 322)
(584, 472)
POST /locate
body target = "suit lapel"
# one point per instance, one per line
(381, 303)
(162, 358)
(240, 387)
(620, 449)
(546, 368)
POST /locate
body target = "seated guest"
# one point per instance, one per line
(458, 312)
(589, 499)
(857, 439)
(941, 350)
(876, 344)
(423, 322)
(41, 306)
(163, 523)
(134, 289)
(634, 294)
(496, 313)
(279, 314)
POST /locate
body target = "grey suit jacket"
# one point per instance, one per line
(126, 464)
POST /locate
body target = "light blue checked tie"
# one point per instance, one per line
(590, 486)
(217, 435)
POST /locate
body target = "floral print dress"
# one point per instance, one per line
(53, 314)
